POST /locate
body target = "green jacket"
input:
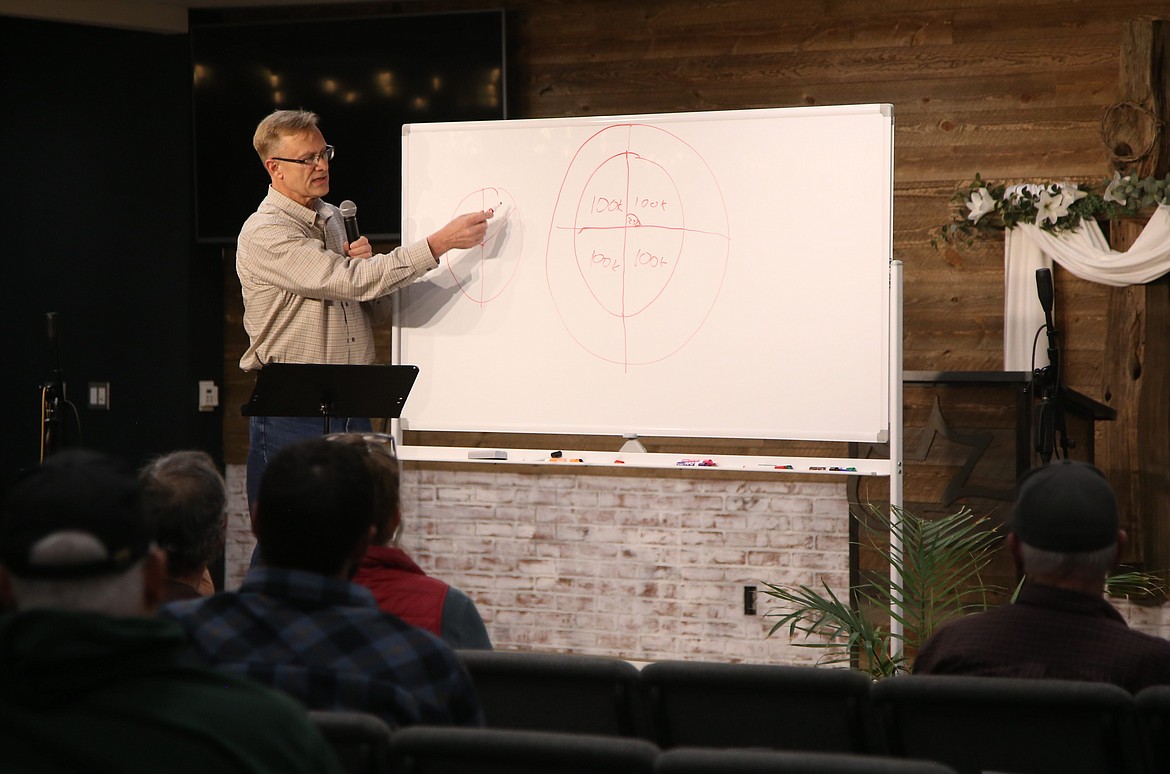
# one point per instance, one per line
(88, 692)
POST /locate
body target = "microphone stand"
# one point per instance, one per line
(1047, 382)
(53, 397)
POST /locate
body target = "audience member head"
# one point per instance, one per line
(185, 496)
(382, 463)
(1064, 528)
(74, 536)
(315, 510)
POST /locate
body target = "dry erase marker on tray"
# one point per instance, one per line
(696, 463)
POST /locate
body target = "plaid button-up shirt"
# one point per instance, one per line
(305, 301)
(325, 642)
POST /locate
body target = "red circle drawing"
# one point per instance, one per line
(496, 261)
(638, 246)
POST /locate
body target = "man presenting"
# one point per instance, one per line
(309, 295)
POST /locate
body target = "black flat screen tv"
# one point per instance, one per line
(364, 77)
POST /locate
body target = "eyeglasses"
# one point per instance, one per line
(376, 443)
(311, 160)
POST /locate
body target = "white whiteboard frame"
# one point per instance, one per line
(829, 398)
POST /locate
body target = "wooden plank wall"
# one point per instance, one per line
(1011, 90)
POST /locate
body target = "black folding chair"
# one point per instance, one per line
(555, 692)
(1153, 705)
(976, 724)
(757, 705)
(359, 739)
(447, 750)
(686, 760)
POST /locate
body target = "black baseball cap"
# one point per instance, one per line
(1067, 506)
(74, 491)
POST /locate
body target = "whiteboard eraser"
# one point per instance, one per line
(487, 454)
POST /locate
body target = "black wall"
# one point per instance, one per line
(96, 139)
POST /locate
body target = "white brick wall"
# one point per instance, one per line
(237, 549)
(632, 567)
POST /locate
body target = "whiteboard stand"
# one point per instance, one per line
(896, 457)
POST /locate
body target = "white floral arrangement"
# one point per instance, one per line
(983, 207)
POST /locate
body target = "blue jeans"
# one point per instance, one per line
(268, 435)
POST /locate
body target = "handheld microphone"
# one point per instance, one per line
(349, 218)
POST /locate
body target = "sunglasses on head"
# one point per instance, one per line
(376, 443)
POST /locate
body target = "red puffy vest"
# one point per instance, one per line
(402, 588)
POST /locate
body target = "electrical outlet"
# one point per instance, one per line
(749, 600)
(99, 395)
(208, 395)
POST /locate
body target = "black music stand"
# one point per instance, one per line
(316, 390)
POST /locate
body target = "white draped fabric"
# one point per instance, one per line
(1086, 254)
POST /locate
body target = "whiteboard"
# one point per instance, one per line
(714, 274)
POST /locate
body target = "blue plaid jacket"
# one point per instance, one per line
(325, 642)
